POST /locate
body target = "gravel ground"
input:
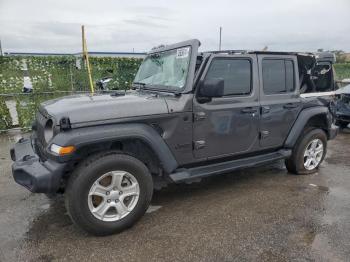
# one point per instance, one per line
(259, 214)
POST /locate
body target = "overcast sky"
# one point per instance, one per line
(115, 25)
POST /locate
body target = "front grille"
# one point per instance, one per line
(40, 142)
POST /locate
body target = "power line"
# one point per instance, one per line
(220, 38)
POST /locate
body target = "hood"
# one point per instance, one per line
(101, 107)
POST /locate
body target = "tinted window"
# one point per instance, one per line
(235, 72)
(289, 75)
(278, 76)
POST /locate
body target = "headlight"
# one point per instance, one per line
(48, 130)
(62, 150)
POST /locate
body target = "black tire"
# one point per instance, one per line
(295, 164)
(81, 180)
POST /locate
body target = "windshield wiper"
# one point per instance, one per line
(139, 85)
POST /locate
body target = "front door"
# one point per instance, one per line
(229, 124)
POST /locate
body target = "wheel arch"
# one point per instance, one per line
(318, 117)
(139, 140)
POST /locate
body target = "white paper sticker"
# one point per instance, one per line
(182, 52)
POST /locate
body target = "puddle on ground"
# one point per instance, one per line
(321, 245)
(322, 188)
(152, 209)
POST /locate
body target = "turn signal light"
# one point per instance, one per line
(62, 150)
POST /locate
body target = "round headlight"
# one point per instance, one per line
(48, 131)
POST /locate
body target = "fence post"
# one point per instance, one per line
(86, 56)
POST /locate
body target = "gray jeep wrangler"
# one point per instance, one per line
(189, 115)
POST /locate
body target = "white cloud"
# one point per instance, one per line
(54, 26)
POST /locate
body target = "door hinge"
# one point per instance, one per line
(264, 134)
(199, 144)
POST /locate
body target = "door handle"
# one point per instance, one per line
(249, 110)
(290, 106)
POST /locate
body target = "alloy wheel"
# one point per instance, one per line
(113, 196)
(313, 154)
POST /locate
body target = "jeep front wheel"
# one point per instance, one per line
(308, 152)
(108, 193)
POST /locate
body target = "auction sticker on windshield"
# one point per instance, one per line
(182, 52)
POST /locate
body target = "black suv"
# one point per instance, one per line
(190, 115)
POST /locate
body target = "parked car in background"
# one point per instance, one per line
(103, 83)
(343, 106)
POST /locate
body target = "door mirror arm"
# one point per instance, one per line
(203, 100)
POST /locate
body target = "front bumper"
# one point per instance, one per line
(32, 173)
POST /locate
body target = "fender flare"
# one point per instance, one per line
(109, 133)
(304, 116)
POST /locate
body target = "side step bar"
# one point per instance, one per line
(183, 174)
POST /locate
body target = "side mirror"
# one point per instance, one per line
(212, 88)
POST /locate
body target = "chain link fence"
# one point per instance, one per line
(25, 82)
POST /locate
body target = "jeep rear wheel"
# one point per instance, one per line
(108, 193)
(308, 152)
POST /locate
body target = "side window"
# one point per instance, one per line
(235, 72)
(278, 76)
(289, 75)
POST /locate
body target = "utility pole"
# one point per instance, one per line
(86, 57)
(220, 38)
(0, 48)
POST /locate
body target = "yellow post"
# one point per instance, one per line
(86, 57)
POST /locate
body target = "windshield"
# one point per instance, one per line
(165, 69)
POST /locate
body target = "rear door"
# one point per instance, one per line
(279, 98)
(228, 125)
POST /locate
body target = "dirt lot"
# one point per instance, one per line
(260, 214)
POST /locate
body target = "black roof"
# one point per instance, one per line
(259, 52)
(305, 58)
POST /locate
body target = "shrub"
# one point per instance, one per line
(342, 70)
(5, 118)
(58, 73)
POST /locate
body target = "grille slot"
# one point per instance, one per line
(40, 133)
